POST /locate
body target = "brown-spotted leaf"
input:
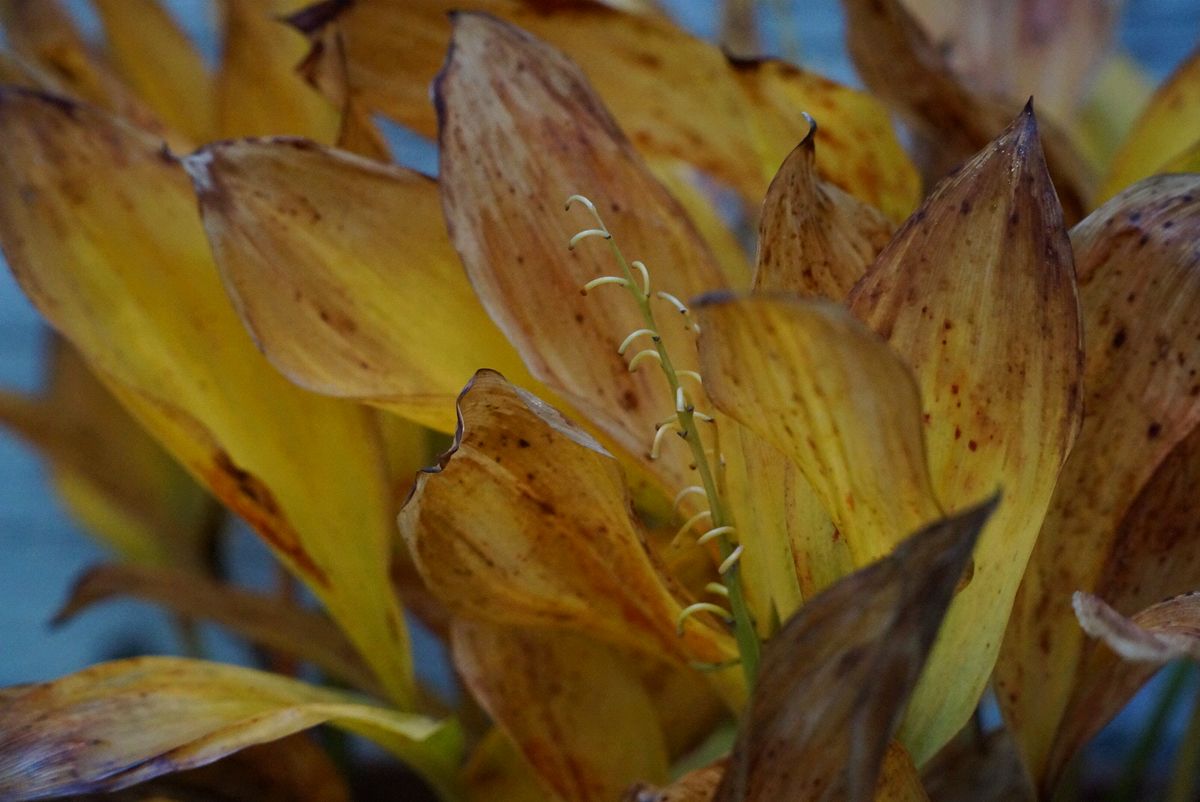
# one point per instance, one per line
(815, 383)
(900, 64)
(576, 709)
(813, 238)
(677, 97)
(158, 62)
(1139, 289)
(1165, 130)
(527, 523)
(116, 724)
(341, 270)
(267, 621)
(113, 476)
(835, 680)
(100, 227)
(520, 131)
(977, 294)
(859, 152)
(1152, 555)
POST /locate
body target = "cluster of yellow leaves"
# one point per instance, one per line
(939, 415)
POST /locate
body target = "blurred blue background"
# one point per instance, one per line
(41, 550)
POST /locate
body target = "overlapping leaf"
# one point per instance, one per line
(577, 710)
(158, 62)
(977, 294)
(284, 627)
(835, 679)
(340, 269)
(100, 228)
(677, 97)
(1139, 290)
(527, 523)
(900, 64)
(812, 381)
(520, 131)
(1050, 50)
(813, 238)
(258, 91)
(119, 723)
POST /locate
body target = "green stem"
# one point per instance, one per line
(743, 624)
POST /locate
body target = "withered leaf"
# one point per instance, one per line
(1151, 555)
(813, 238)
(116, 724)
(520, 131)
(292, 769)
(264, 620)
(899, 63)
(1050, 50)
(1139, 289)
(677, 97)
(977, 294)
(100, 228)
(526, 522)
(341, 270)
(576, 709)
(835, 679)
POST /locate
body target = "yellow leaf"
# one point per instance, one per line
(521, 131)
(258, 90)
(526, 522)
(100, 229)
(859, 152)
(1142, 401)
(677, 97)
(813, 238)
(576, 710)
(158, 61)
(815, 383)
(1166, 127)
(835, 679)
(116, 724)
(340, 269)
(977, 294)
